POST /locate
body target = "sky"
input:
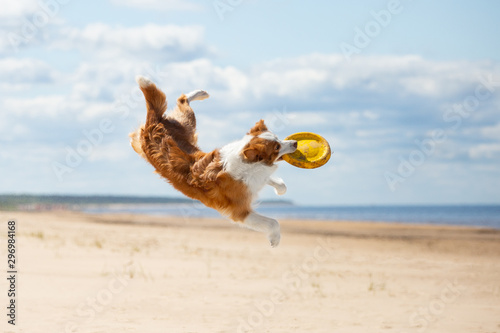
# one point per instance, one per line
(406, 92)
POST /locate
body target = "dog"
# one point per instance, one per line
(226, 179)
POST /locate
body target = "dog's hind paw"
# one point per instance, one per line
(143, 82)
(197, 95)
(274, 238)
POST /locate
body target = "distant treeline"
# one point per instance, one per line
(47, 202)
(8, 201)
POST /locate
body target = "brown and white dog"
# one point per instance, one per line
(226, 179)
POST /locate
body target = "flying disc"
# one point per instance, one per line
(312, 151)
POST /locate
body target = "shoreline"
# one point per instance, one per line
(485, 216)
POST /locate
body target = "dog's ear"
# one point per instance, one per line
(252, 154)
(258, 128)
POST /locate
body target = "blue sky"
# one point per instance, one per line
(406, 92)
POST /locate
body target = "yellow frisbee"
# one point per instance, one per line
(312, 151)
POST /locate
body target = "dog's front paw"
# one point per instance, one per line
(280, 189)
(278, 184)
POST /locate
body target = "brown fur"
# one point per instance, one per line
(169, 144)
(259, 150)
(258, 128)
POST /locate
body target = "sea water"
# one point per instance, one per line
(465, 215)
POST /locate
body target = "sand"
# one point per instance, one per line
(132, 273)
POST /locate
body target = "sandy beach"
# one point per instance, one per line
(133, 273)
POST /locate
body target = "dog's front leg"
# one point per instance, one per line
(278, 184)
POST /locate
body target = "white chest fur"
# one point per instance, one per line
(254, 175)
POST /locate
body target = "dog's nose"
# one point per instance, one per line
(294, 144)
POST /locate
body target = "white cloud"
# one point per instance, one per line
(165, 42)
(17, 9)
(327, 79)
(487, 150)
(25, 71)
(372, 133)
(223, 83)
(164, 5)
(35, 107)
(492, 132)
(397, 76)
(59, 108)
(26, 23)
(289, 82)
(113, 152)
(324, 85)
(95, 87)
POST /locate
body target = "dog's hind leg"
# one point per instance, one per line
(184, 114)
(264, 224)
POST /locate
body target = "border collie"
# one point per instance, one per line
(226, 179)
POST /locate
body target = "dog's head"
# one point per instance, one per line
(265, 147)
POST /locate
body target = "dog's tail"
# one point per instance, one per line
(156, 101)
(156, 104)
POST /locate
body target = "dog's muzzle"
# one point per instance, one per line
(287, 147)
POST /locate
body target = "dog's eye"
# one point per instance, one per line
(277, 147)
